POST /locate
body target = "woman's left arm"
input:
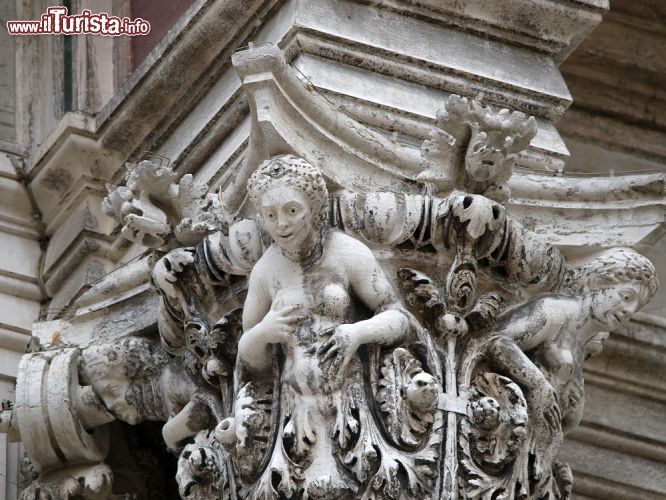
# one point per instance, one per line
(370, 284)
(388, 326)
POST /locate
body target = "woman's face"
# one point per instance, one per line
(615, 304)
(288, 218)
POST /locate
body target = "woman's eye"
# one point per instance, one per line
(270, 216)
(293, 211)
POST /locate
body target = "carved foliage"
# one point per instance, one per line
(489, 140)
(492, 437)
(156, 209)
(247, 435)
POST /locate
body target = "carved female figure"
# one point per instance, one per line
(306, 294)
(554, 330)
(542, 344)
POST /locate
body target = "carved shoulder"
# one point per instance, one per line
(538, 321)
(349, 249)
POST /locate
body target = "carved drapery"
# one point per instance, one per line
(401, 335)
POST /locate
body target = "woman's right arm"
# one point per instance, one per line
(251, 349)
(264, 323)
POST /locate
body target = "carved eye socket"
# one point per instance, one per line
(292, 210)
(270, 215)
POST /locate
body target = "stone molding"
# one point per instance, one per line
(225, 125)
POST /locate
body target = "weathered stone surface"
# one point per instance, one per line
(453, 362)
(355, 93)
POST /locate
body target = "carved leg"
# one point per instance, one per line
(508, 359)
(194, 417)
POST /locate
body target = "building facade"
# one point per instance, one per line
(75, 109)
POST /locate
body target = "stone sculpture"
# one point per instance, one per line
(347, 343)
(323, 298)
(541, 345)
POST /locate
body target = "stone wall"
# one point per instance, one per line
(616, 125)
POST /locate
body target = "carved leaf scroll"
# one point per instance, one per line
(156, 209)
(407, 396)
(493, 440)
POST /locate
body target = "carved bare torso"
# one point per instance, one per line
(322, 290)
(307, 306)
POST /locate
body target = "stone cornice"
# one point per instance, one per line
(552, 27)
(198, 117)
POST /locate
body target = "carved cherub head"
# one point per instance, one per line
(124, 375)
(619, 283)
(291, 196)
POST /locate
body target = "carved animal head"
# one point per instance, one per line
(422, 392)
(485, 413)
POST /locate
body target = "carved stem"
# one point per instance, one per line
(450, 477)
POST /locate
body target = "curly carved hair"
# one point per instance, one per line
(293, 171)
(614, 267)
(138, 359)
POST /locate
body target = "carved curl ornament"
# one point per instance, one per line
(346, 344)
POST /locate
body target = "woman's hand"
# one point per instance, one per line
(277, 326)
(336, 353)
(280, 324)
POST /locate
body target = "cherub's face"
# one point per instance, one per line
(288, 218)
(615, 304)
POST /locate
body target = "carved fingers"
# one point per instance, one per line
(282, 322)
(548, 407)
(336, 353)
(191, 231)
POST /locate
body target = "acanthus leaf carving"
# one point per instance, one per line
(408, 397)
(157, 209)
